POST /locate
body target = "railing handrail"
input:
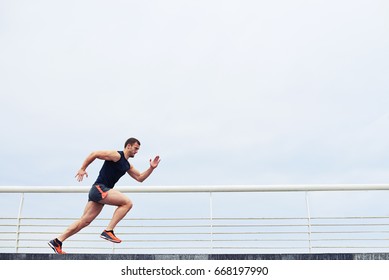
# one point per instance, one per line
(217, 234)
(201, 188)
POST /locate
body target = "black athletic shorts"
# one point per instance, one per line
(98, 192)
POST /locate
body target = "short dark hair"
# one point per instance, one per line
(131, 141)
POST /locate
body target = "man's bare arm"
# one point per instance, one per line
(140, 177)
(103, 155)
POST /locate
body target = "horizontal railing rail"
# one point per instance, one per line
(211, 234)
(201, 188)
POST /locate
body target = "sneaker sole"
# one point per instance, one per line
(52, 247)
(109, 239)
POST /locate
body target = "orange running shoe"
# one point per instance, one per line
(56, 245)
(110, 236)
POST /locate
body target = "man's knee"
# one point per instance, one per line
(128, 204)
(84, 222)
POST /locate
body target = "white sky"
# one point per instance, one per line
(226, 92)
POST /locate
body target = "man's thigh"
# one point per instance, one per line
(116, 198)
(92, 210)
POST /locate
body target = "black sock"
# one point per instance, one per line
(109, 230)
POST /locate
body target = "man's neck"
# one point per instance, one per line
(126, 154)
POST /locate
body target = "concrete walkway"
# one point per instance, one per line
(351, 256)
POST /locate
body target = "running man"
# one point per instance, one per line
(115, 166)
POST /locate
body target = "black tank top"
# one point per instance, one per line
(112, 171)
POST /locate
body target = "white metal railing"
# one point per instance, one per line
(211, 234)
(201, 188)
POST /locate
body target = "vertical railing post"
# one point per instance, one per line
(19, 223)
(309, 221)
(211, 218)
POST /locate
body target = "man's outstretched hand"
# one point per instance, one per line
(80, 175)
(154, 163)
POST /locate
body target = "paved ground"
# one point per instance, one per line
(351, 256)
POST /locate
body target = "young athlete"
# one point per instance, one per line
(115, 166)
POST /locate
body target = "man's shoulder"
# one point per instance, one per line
(109, 155)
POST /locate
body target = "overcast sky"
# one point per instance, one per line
(226, 92)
